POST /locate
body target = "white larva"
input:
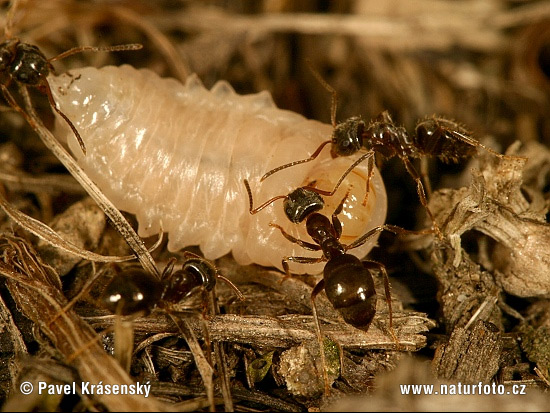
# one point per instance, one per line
(177, 154)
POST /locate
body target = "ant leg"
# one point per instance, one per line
(46, 86)
(299, 260)
(335, 220)
(168, 269)
(316, 290)
(13, 103)
(304, 244)
(421, 193)
(226, 280)
(288, 165)
(392, 228)
(476, 143)
(367, 155)
(424, 172)
(370, 265)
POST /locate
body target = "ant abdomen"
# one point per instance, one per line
(444, 139)
(132, 291)
(350, 288)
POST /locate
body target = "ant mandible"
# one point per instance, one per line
(134, 290)
(26, 65)
(435, 136)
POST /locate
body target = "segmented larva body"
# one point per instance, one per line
(176, 155)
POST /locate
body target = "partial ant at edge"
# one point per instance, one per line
(25, 65)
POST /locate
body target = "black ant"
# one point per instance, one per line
(347, 280)
(135, 290)
(435, 136)
(27, 66)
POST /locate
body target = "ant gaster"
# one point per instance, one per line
(134, 290)
(435, 136)
(27, 66)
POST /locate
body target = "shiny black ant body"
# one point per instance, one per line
(347, 280)
(27, 66)
(435, 136)
(134, 290)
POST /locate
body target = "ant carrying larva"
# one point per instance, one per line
(435, 136)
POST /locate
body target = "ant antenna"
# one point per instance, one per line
(253, 210)
(288, 165)
(334, 105)
(324, 83)
(80, 49)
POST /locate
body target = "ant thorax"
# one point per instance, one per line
(387, 139)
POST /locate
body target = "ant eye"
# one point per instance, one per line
(346, 146)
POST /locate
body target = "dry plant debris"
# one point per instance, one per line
(485, 64)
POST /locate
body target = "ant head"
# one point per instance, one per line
(302, 202)
(131, 291)
(195, 272)
(29, 65)
(347, 137)
(7, 53)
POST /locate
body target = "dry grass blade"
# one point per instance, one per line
(204, 367)
(36, 290)
(47, 234)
